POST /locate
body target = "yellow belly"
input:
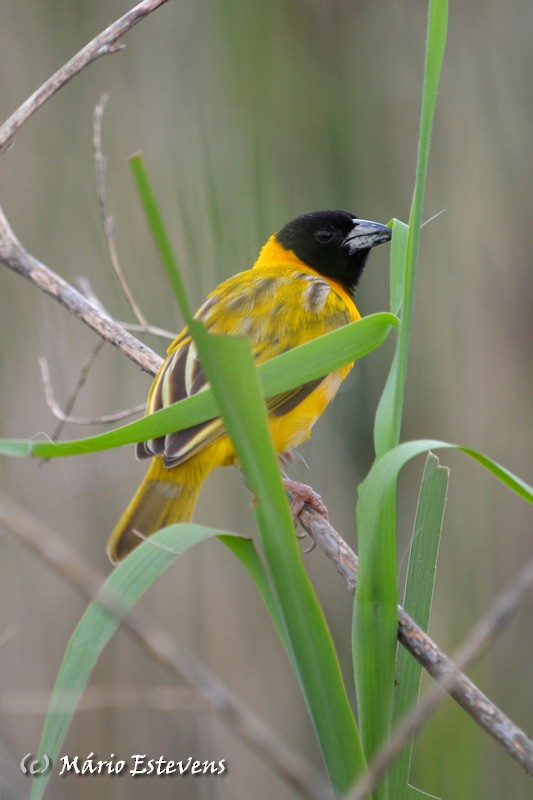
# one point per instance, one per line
(293, 428)
(287, 431)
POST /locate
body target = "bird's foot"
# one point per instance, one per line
(301, 494)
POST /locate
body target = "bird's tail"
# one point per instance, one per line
(160, 500)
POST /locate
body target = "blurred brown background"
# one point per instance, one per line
(249, 114)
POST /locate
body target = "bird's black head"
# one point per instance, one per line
(334, 243)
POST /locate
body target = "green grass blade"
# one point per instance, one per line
(504, 475)
(417, 602)
(159, 233)
(233, 376)
(375, 619)
(175, 417)
(376, 599)
(374, 623)
(17, 448)
(325, 354)
(230, 368)
(435, 45)
(385, 422)
(389, 417)
(386, 425)
(122, 589)
(304, 363)
(392, 462)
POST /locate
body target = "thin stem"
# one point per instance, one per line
(102, 45)
(14, 256)
(100, 163)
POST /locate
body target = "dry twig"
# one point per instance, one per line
(100, 163)
(102, 45)
(64, 415)
(14, 256)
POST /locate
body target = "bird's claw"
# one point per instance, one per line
(302, 494)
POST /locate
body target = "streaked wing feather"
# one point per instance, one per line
(278, 309)
(281, 404)
(184, 444)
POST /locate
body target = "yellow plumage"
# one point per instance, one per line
(280, 303)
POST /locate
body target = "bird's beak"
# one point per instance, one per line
(365, 235)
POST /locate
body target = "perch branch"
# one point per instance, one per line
(14, 256)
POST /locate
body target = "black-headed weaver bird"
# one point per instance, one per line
(301, 286)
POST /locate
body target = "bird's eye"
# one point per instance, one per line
(324, 235)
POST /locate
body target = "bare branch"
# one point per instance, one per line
(491, 623)
(14, 256)
(482, 710)
(246, 725)
(100, 162)
(64, 415)
(102, 45)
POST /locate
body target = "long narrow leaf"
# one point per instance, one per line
(122, 589)
(298, 366)
(417, 601)
(159, 233)
(233, 376)
(231, 371)
(374, 625)
(376, 600)
(398, 252)
(386, 424)
(435, 45)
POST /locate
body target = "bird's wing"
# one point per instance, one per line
(277, 309)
